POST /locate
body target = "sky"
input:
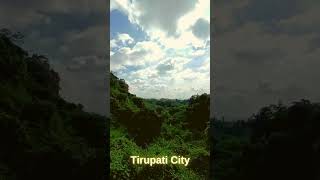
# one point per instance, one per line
(161, 48)
(264, 50)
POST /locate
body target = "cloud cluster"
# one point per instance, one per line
(161, 66)
(141, 54)
(121, 40)
(148, 68)
(170, 22)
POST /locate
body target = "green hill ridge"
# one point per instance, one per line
(42, 135)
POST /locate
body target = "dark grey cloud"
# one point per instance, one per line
(164, 68)
(201, 29)
(261, 56)
(315, 43)
(73, 35)
(21, 14)
(264, 52)
(284, 16)
(269, 11)
(91, 64)
(303, 23)
(163, 14)
(265, 88)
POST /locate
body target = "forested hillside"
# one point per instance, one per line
(164, 127)
(43, 136)
(279, 142)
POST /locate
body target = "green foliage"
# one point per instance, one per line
(120, 151)
(43, 136)
(198, 113)
(156, 128)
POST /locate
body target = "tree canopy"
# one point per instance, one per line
(42, 135)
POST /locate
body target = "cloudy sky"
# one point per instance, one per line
(73, 35)
(265, 51)
(161, 48)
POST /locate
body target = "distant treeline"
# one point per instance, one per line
(279, 142)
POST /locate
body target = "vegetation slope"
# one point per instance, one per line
(155, 128)
(43, 136)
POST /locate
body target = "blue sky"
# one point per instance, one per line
(160, 50)
(119, 24)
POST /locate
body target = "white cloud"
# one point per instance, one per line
(125, 38)
(141, 54)
(122, 39)
(113, 44)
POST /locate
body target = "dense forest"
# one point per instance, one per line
(157, 127)
(43, 136)
(279, 142)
